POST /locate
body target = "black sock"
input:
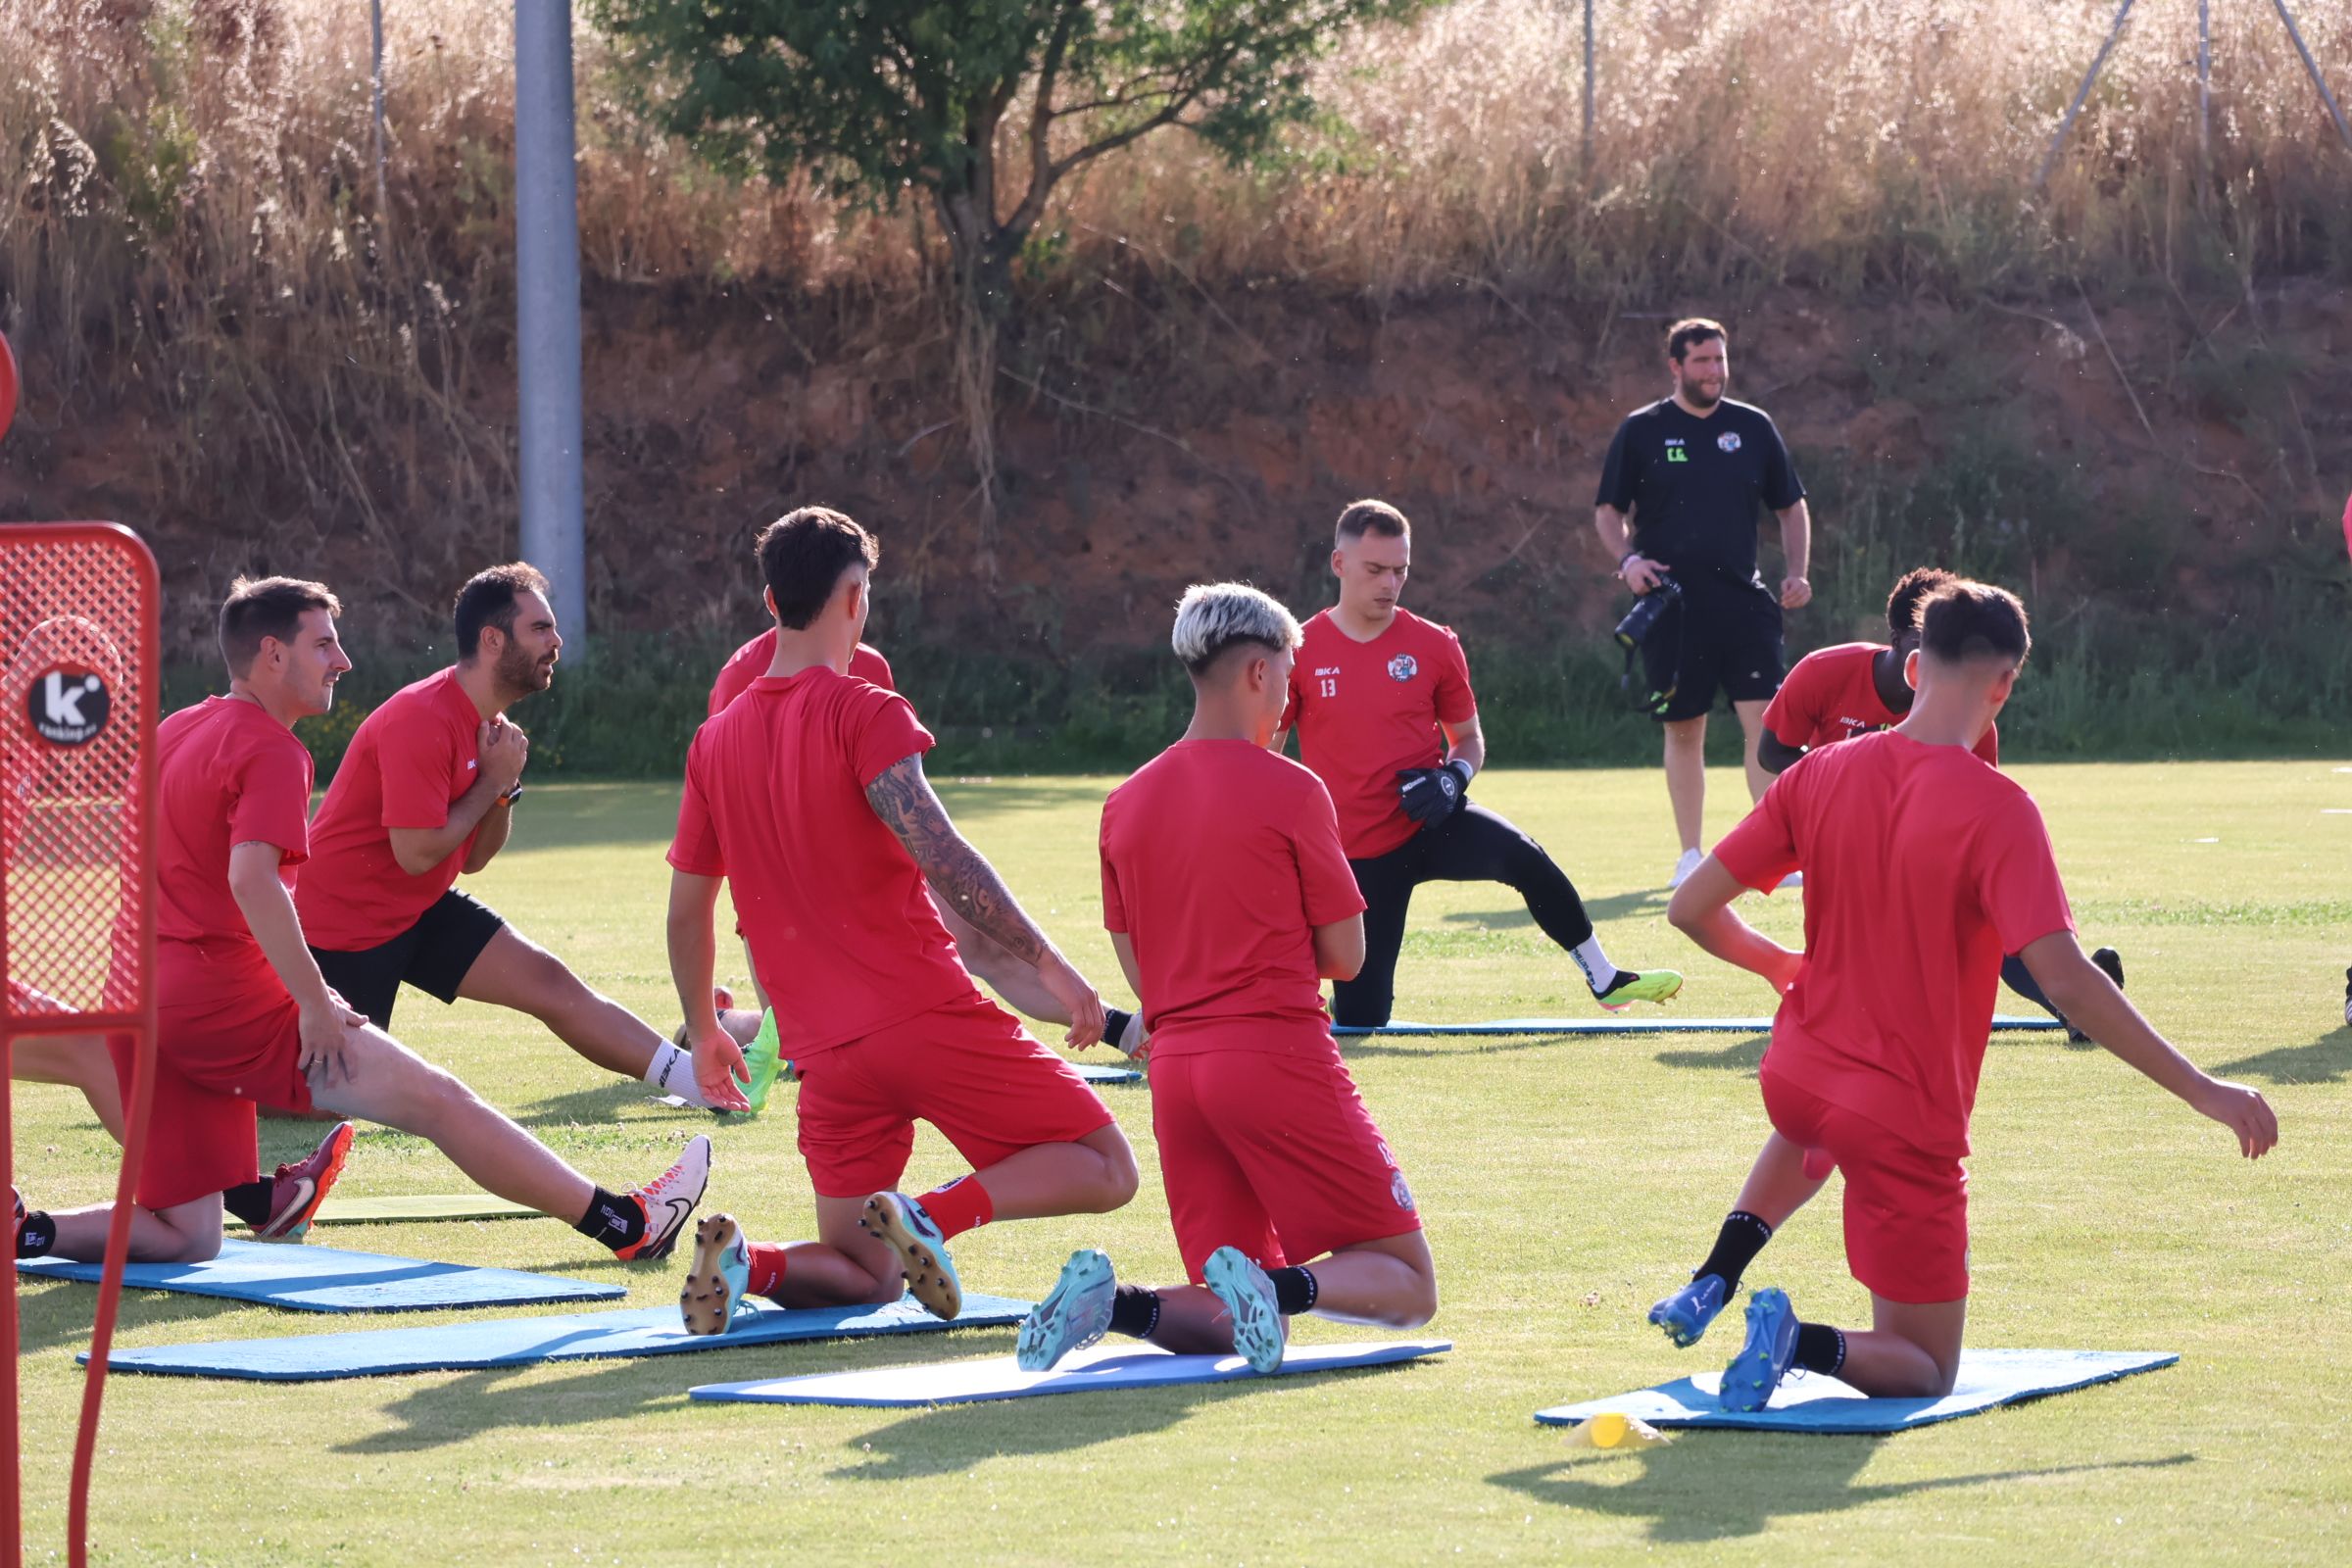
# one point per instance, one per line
(1820, 1348)
(1295, 1290)
(36, 1235)
(1135, 1311)
(250, 1200)
(1736, 1245)
(1114, 1026)
(616, 1219)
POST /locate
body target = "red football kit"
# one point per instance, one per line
(874, 1007)
(750, 661)
(228, 1036)
(1830, 696)
(1219, 860)
(1923, 867)
(409, 762)
(1366, 711)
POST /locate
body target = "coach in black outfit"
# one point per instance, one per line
(1689, 470)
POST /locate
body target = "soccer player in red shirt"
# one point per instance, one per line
(806, 797)
(1229, 898)
(1851, 689)
(245, 1017)
(1923, 867)
(1381, 700)
(1017, 982)
(427, 791)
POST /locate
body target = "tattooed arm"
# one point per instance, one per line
(964, 881)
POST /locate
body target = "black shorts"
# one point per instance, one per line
(433, 956)
(1722, 637)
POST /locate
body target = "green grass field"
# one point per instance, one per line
(1565, 1183)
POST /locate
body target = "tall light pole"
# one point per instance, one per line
(547, 266)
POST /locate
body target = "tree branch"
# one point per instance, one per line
(1040, 127)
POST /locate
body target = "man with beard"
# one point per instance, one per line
(1690, 471)
(427, 791)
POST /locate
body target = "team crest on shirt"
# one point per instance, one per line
(1729, 440)
(1399, 1192)
(1403, 668)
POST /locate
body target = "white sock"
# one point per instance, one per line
(1598, 970)
(671, 1072)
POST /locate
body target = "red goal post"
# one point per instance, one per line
(78, 696)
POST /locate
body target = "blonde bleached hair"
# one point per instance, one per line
(1212, 617)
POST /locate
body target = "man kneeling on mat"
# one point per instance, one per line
(1229, 898)
(1922, 868)
(245, 1018)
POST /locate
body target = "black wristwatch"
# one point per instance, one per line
(511, 796)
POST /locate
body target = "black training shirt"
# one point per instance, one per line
(1692, 486)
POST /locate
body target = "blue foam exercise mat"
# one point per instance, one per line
(1625, 1026)
(324, 1278)
(527, 1340)
(1822, 1404)
(1095, 1072)
(999, 1377)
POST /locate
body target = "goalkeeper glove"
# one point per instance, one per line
(1431, 794)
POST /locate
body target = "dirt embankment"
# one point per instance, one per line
(1219, 439)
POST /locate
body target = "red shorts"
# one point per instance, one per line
(1906, 1210)
(1272, 1153)
(968, 1068)
(221, 1050)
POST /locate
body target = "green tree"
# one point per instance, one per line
(959, 102)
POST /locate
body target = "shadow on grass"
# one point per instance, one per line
(601, 1105)
(1741, 1055)
(2325, 1061)
(950, 1440)
(1645, 901)
(61, 1312)
(1352, 1046)
(1689, 1492)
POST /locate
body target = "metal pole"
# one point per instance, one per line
(2313, 66)
(547, 265)
(2114, 33)
(375, 27)
(1588, 87)
(2204, 102)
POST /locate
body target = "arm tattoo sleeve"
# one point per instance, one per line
(903, 800)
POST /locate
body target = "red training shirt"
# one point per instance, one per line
(1366, 711)
(842, 930)
(1830, 696)
(227, 773)
(408, 762)
(1219, 860)
(750, 661)
(1923, 867)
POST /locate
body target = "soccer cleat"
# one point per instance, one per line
(719, 1277)
(1648, 985)
(669, 1201)
(1691, 862)
(764, 1058)
(296, 1191)
(906, 1228)
(1764, 1358)
(1249, 1296)
(1074, 1314)
(1686, 1314)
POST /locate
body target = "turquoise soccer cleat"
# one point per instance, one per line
(1249, 1295)
(719, 1278)
(1074, 1314)
(906, 1228)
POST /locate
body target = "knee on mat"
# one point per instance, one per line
(1416, 1308)
(199, 1249)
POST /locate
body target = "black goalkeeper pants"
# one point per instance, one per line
(1473, 846)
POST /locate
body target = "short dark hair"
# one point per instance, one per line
(1688, 330)
(1965, 620)
(488, 600)
(1370, 517)
(1913, 586)
(267, 607)
(802, 555)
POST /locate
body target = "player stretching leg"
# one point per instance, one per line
(1881, 1037)
(1382, 703)
(1015, 981)
(1836, 693)
(806, 795)
(427, 791)
(1229, 898)
(246, 1019)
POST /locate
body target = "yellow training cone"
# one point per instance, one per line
(1613, 1430)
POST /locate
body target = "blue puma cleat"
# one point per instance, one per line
(1248, 1298)
(1764, 1360)
(1686, 1314)
(1074, 1314)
